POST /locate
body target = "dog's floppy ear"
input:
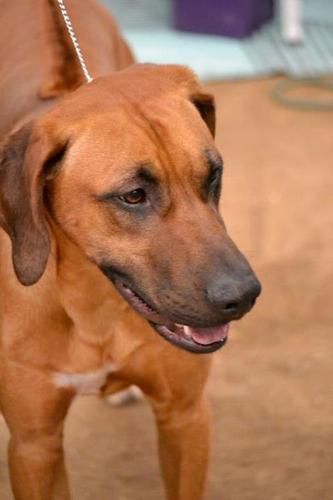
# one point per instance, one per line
(184, 79)
(203, 101)
(205, 104)
(25, 159)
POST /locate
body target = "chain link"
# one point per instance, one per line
(74, 39)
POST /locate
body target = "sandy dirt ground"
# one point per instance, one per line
(271, 387)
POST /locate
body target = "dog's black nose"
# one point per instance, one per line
(233, 297)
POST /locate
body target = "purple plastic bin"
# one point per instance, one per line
(234, 18)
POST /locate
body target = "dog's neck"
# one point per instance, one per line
(62, 73)
(99, 314)
(85, 292)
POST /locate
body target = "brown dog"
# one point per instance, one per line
(107, 192)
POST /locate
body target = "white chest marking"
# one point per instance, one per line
(85, 383)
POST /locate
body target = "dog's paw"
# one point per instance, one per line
(126, 397)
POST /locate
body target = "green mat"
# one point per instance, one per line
(147, 26)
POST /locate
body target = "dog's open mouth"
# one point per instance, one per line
(190, 338)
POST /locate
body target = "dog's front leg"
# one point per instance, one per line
(184, 443)
(176, 382)
(35, 410)
(37, 468)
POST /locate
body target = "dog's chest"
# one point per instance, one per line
(85, 383)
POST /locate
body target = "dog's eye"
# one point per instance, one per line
(215, 181)
(215, 176)
(135, 197)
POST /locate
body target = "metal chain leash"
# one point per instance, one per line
(74, 39)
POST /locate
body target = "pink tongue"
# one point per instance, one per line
(206, 336)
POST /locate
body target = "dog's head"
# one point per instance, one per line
(127, 167)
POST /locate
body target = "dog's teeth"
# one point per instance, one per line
(187, 332)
